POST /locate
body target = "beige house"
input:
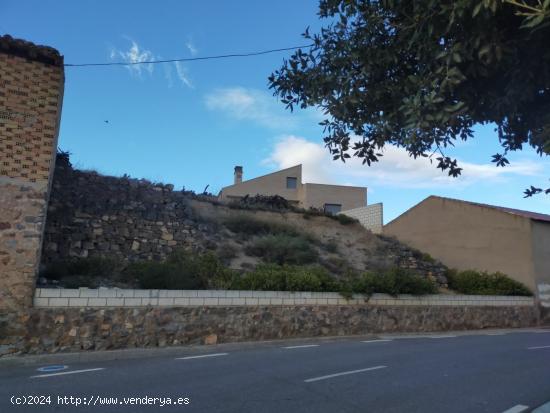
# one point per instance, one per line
(468, 235)
(288, 184)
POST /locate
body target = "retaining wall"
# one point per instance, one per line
(90, 319)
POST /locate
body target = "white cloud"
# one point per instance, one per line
(135, 54)
(252, 105)
(396, 168)
(191, 47)
(182, 72)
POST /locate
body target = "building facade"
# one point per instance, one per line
(288, 184)
(466, 235)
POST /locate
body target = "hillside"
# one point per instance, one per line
(126, 220)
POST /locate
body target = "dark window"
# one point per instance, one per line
(333, 208)
(291, 182)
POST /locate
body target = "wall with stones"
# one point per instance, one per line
(31, 93)
(87, 328)
(92, 215)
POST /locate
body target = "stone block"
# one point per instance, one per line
(59, 302)
(97, 302)
(78, 302)
(132, 302)
(50, 292)
(196, 301)
(166, 301)
(181, 301)
(115, 302)
(89, 292)
(211, 301)
(41, 302)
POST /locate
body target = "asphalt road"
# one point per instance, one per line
(468, 372)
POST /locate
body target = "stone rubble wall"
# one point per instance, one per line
(87, 328)
(115, 297)
(92, 215)
(370, 216)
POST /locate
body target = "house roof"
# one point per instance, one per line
(526, 214)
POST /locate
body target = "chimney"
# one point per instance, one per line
(238, 174)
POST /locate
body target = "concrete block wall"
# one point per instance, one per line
(31, 93)
(107, 297)
(370, 216)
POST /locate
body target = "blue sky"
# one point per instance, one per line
(189, 124)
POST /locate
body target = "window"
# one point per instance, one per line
(291, 182)
(332, 208)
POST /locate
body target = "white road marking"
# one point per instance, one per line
(536, 348)
(344, 373)
(375, 341)
(67, 372)
(304, 346)
(518, 408)
(202, 356)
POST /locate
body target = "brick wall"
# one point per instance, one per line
(370, 216)
(31, 93)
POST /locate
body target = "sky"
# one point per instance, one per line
(190, 123)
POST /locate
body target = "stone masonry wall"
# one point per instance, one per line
(91, 215)
(85, 328)
(31, 92)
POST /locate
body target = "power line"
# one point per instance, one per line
(189, 59)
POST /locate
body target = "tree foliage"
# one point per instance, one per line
(420, 74)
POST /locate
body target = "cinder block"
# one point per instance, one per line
(181, 301)
(239, 301)
(251, 301)
(50, 292)
(141, 293)
(89, 293)
(41, 302)
(225, 301)
(231, 294)
(211, 301)
(204, 293)
(115, 302)
(132, 302)
(188, 293)
(125, 293)
(106, 292)
(97, 302)
(59, 302)
(37, 292)
(166, 301)
(196, 301)
(288, 301)
(264, 301)
(78, 302)
(150, 301)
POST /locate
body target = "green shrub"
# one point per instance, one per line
(226, 252)
(484, 283)
(182, 270)
(394, 281)
(273, 277)
(283, 249)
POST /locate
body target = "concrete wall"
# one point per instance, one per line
(114, 297)
(31, 93)
(370, 216)
(272, 184)
(466, 236)
(317, 195)
(541, 251)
